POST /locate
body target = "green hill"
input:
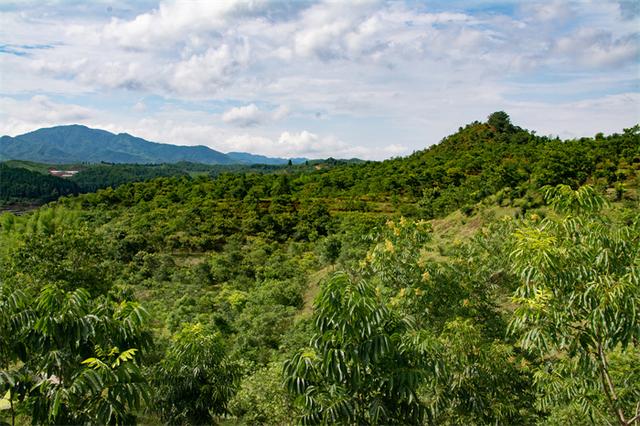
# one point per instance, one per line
(19, 184)
(458, 285)
(75, 143)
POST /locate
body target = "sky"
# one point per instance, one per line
(349, 78)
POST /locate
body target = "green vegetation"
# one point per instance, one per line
(76, 144)
(19, 184)
(491, 279)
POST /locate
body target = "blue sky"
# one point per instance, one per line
(369, 79)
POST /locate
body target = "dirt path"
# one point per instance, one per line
(313, 288)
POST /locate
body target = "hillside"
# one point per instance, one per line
(75, 143)
(21, 185)
(397, 292)
(80, 144)
(482, 159)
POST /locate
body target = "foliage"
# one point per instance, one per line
(21, 184)
(261, 398)
(359, 370)
(453, 304)
(415, 331)
(195, 381)
(64, 361)
(578, 304)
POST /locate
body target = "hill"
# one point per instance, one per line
(484, 159)
(211, 291)
(20, 184)
(76, 143)
(246, 158)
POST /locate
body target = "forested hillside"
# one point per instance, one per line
(76, 143)
(30, 183)
(19, 184)
(490, 279)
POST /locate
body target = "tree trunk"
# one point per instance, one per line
(609, 389)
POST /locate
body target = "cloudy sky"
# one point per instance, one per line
(370, 79)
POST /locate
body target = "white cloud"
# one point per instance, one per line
(597, 48)
(139, 106)
(297, 144)
(381, 75)
(549, 11)
(244, 116)
(39, 111)
(281, 112)
(171, 21)
(251, 115)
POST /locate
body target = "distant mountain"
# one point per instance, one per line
(246, 158)
(76, 143)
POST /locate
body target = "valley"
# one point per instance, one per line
(478, 281)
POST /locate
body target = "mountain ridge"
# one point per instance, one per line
(79, 143)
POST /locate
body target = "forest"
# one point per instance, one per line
(493, 278)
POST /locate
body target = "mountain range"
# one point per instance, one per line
(76, 143)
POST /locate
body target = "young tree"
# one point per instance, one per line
(14, 319)
(195, 380)
(361, 369)
(578, 306)
(72, 359)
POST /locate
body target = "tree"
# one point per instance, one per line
(361, 368)
(262, 400)
(330, 249)
(14, 318)
(477, 378)
(578, 306)
(195, 381)
(500, 121)
(73, 359)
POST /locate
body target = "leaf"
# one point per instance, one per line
(5, 402)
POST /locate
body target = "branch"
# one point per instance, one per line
(636, 418)
(608, 386)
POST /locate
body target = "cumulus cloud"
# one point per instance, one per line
(297, 144)
(139, 106)
(209, 71)
(548, 11)
(370, 69)
(168, 24)
(251, 115)
(39, 111)
(598, 48)
(201, 49)
(244, 116)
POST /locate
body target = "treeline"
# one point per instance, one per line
(100, 176)
(32, 183)
(18, 184)
(482, 159)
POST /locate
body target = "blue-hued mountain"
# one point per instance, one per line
(246, 158)
(76, 143)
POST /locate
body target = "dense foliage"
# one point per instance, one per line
(18, 184)
(327, 293)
